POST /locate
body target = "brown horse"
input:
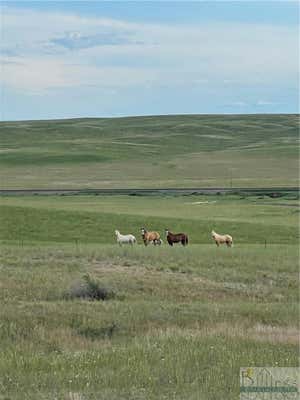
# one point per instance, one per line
(150, 237)
(176, 238)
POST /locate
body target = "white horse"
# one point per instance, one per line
(221, 239)
(125, 239)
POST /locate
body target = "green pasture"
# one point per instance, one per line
(158, 151)
(95, 218)
(179, 322)
(182, 321)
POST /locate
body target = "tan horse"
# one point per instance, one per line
(150, 237)
(221, 239)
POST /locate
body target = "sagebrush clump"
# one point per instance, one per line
(90, 289)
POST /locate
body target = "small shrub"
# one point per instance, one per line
(90, 289)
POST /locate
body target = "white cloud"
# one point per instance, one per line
(43, 51)
(265, 103)
(37, 75)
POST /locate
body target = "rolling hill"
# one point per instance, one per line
(154, 151)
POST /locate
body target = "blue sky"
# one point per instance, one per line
(96, 59)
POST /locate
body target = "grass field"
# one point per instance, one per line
(160, 151)
(173, 323)
(179, 323)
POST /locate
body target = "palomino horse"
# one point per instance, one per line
(221, 239)
(149, 237)
(176, 238)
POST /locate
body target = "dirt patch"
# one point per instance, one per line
(202, 202)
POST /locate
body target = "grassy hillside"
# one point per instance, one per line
(158, 151)
(94, 218)
(182, 321)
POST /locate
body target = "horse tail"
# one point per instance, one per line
(186, 239)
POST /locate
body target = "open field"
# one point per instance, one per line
(175, 323)
(92, 219)
(180, 322)
(160, 151)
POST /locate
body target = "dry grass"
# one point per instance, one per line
(261, 333)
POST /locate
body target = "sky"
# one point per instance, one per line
(66, 59)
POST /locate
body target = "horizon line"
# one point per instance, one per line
(149, 115)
